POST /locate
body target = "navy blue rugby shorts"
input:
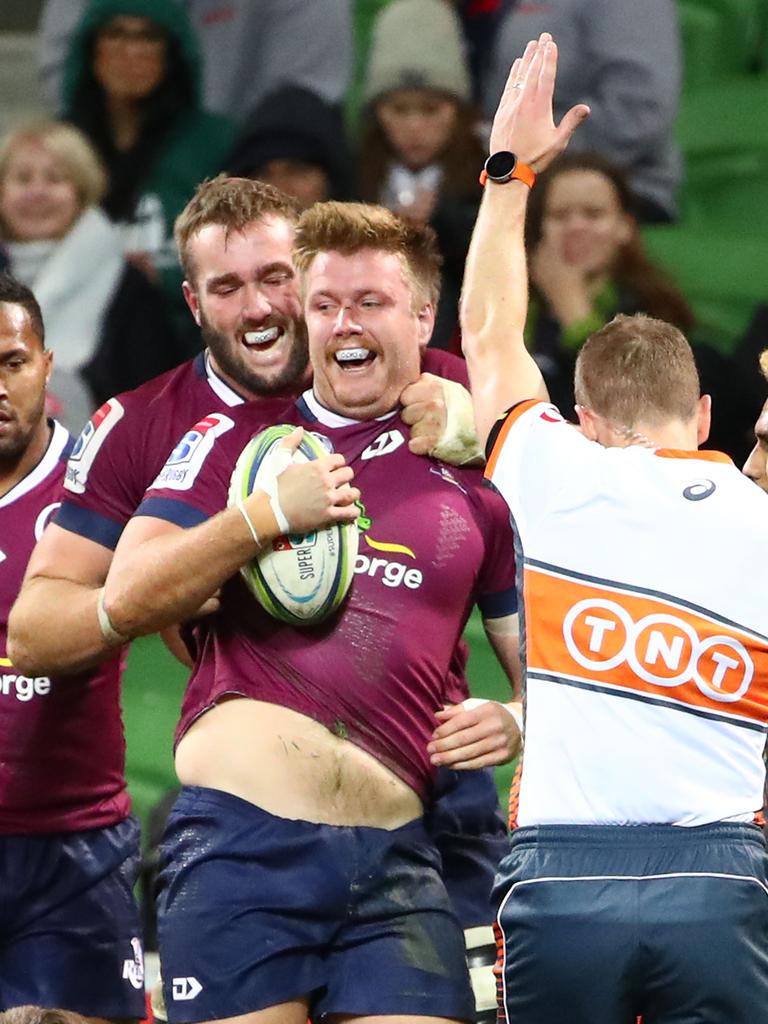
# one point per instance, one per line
(602, 924)
(70, 935)
(256, 910)
(468, 828)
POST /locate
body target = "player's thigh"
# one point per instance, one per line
(401, 950)
(293, 1012)
(246, 907)
(72, 909)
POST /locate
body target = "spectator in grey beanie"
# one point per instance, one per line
(420, 151)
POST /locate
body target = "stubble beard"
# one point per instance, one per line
(286, 381)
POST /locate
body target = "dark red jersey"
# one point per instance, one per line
(123, 447)
(433, 541)
(61, 766)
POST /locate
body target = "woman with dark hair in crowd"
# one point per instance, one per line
(420, 152)
(132, 82)
(587, 263)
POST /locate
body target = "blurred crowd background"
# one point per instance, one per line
(111, 111)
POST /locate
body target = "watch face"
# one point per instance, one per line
(500, 166)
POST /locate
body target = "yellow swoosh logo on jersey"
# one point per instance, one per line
(5, 663)
(379, 545)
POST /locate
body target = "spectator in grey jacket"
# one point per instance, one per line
(622, 57)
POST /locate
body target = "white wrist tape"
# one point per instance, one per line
(249, 523)
(458, 443)
(476, 702)
(108, 631)
(281, 459)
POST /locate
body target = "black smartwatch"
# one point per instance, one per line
(504, 166)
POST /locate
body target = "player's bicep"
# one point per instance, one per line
(140, 537)
(64, 556)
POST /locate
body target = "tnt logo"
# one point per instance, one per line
(662, 649)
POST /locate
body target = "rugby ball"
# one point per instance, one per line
(298, 579)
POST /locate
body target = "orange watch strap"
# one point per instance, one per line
(522, 172)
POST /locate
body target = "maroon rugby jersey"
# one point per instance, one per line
(433, 541)
(61, 768)
(125, 443)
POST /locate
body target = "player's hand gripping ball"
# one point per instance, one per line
(298, 579)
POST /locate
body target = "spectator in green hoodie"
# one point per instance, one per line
(132, 84)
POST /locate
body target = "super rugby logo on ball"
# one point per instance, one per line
(299, 579)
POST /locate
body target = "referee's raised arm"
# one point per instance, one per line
(524, 141)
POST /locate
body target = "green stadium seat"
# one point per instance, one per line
(723, 275)
(701, 30)
(740, 22)
(728, 117)
(728, 194)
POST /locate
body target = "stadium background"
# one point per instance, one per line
(718, 255)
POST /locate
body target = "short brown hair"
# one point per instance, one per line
(37, 1015)
(350, 227)
(637, 369)
(234, 203)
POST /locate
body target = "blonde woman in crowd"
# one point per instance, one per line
(105, 321)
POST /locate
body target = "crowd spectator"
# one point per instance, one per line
(420, 152)
(106, 323)
(249, 47)
(295, 141)
(623, 59)
(587, 263)
(132, 85)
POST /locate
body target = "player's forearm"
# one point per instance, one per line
(165, 579)
(53, 628)
(494, 306)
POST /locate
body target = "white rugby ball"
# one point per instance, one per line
(299, 579)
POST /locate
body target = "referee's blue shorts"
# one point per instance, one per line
(601, 924)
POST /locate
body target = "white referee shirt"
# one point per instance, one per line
(644, 578)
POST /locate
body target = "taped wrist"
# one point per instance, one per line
(108, 631)
(458, 444)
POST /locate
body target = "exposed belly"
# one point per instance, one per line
(291, 766)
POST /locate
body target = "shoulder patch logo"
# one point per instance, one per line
(88, 444)
(552, 414)
(187, 458)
